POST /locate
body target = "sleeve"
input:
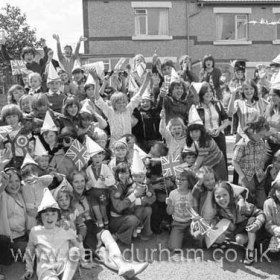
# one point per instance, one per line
(238, 151)
(164, 131)
(134, 102)
(268, 211)
(44, 59)
(121, 204)
(106, 109)
(46, 180)
(253, 211)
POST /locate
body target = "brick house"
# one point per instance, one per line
(123, 28)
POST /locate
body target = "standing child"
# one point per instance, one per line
(249, 159)
(120, 114)
(179, 202)
(100, 179)
(244, 223)
(174, 134)
(51, 245)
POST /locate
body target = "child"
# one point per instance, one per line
(100, 179)
(35, 83)
(101, 138)
(55, 96)
(174, 134)
(120, 152)
(188, 156)
(119, 115)
(12, 217)
(51, 244)
(208, 152)
(25, 103)
(15, 93)
(244, 223)
(249, 158)
(41, 156)
(271, 210)
(178, 203)
(17, 142)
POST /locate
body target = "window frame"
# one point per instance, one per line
(146, 6)
(219, 11)
(276, 11)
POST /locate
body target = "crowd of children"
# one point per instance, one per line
(82, 160)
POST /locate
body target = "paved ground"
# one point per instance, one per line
(207, 264)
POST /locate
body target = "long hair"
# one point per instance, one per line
(226, 186)
(204, 137)
(272, 194)
(208, 57)
(69, 101)
(203, 90)
(271, 108)
(207, 170)
(251, 83)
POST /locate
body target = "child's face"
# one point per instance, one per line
(64, 201)
(54, 86)
(28, 57)
(177, 92)
(49, 219)
(78, 76)
(72, 110)
(17, 94)
(209, 181)
(239, 74)
(146, 104)
(190, 159)
(64, 77)
(14, 183)
(120, 105)
(85, 122)
(222, 197)
(41, 110)
(35, 83)
(182, 182)
(97, 159)
(67, 51)
(79, 183)
(50, 137)
(12, 120)
(195, 134)
(176, 131)
(120, 152)
(209, 63)
(248, 92)
(43, 162)
(139, 178)
(123, 176)
(90, 92)
(274, 98)
(26, 105)
(166, 70)
(208, 96)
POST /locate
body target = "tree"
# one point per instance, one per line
(18, 33)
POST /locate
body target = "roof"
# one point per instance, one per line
(241, 1)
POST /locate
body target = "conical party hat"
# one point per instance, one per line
(39, 149)
(47, 201)
(197, 86)
(48, 124)
(277, 179)
(137, 165)
(28, 160)
(52, 74)
(87, 108)
(194, 117)
(90, 80)
(92, 147)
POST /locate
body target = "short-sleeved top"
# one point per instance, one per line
(181, 203)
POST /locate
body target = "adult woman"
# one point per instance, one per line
(213, 115)
(108, 250)
(248, 107)
(273, 118)
(211, 74)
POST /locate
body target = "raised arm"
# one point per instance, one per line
(59, 51)
(77, 49)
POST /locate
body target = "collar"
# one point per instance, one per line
(53, 93)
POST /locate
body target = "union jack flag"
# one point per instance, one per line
(4, 131)
(78, 153)
(17, 67)
(170, 165)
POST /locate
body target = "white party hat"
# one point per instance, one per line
(137, 165)
(197, 86)
(90, 80)
(48, 124)
(47, 201)
(194, 118)
(39, 149)
(52, 74)
(87, 108)
(92, 147)
(28, 160)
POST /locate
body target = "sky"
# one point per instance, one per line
(63, 17)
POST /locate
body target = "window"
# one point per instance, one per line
(276, 12)
(277, 26)
(151, 20)
(232, 25)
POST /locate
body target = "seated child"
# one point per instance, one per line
(53, 255)
(179, 203)
(244, 223)
(271, 210)
(100, 179)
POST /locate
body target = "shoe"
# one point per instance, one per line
(249, 257)
(139, 267)
(88, 265)
(129, 270)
